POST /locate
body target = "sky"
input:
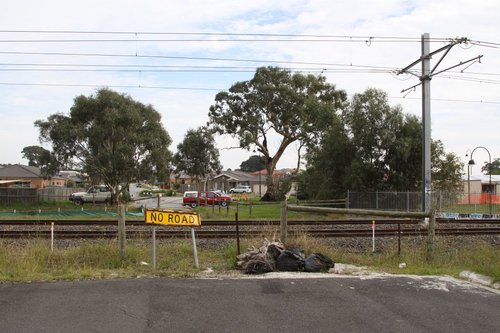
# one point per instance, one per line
(176, 56)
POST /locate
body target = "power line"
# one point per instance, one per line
(138, 33)
(69, 85)
(138, 56)
(105, 85)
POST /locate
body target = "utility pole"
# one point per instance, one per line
(426, 123)
(425, 80)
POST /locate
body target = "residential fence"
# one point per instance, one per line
(10, 195)
(56, 193)
(457, 202)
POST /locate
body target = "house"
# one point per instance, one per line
(477, 189)
(256, 180)
(17, 175)
(74, 178)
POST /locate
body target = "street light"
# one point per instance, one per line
(471, 162)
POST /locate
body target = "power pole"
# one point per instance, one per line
(425, 80)
(426, 123)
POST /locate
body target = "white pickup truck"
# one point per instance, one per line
(95, 194)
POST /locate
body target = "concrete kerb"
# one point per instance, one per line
(479, 279)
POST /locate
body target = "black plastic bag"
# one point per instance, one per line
(274, 251)
(290, 261)
(318, 262)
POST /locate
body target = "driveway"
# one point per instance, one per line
(174, 203)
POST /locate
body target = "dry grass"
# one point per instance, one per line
(34, 261)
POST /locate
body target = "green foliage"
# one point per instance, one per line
(446, 170)
(493, 168)
(374, 147)
(276, 102)
(253, 164)
(113, 138)
(42, 158)
(197, 155)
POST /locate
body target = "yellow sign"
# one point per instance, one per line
(172, 217)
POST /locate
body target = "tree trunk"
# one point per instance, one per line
(271, 192)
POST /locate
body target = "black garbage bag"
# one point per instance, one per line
(318, 262)
(290, 261)
(274, 251)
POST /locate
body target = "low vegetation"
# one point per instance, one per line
(34, 261)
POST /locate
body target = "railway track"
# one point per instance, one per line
(108, 234)
(71, 229)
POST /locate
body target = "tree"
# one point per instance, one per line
(196, 154)
(111, 137)
(254, 163)
(493, 168)
(328, 165)
(35, 155)
(446, 169)
(375, 148)
(276, 102)
(42, 158)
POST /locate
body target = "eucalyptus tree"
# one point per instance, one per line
(276, 103)
(111, 137)
(197, 154)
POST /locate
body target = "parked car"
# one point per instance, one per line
(241, 189)
(194, 198)
(96, 193)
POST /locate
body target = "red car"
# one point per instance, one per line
(193, 198)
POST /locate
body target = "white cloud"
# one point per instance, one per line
(460, 125)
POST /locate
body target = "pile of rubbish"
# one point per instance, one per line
(273, 257)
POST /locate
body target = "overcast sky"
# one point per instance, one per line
(176, 55)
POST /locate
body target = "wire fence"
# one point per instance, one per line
(442, 202)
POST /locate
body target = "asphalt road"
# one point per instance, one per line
(333, 304)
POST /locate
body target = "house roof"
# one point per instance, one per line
(483, 178)
(20, 171)
(10, 181)
(240, 176)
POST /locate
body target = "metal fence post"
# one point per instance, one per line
(283, 222)
(431, 233)
(121, 230)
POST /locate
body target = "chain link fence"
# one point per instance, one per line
(442, 202)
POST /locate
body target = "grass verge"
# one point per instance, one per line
(34, 261)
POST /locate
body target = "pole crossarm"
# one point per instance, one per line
(446, 48)
(459, 64)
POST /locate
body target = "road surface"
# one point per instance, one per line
(332, 304)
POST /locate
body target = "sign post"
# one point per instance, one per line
(173, 218)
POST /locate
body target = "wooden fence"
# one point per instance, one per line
(11, 195)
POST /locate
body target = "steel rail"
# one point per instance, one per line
(253, 222)
(184, 233)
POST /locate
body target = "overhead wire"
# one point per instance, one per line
(324, 67)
